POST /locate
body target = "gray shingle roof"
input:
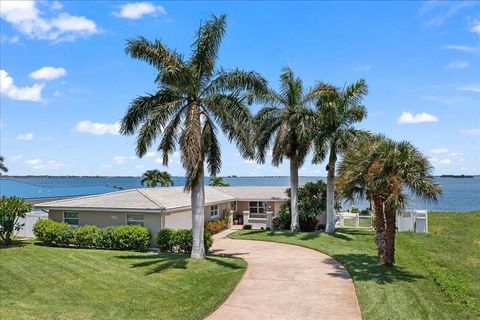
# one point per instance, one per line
(161, 199)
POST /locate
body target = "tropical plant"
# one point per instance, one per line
(11, 209)
(285, 124)
(218, 182)
(387, 169)
(152, 178)
(3, 168)
(193, 97)
(338, 109)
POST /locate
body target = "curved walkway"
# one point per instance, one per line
(286, 282)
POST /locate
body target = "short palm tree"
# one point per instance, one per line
(192, 99)
(3, 168)
(151, 178)
(338, 109)
(218, 182)
(284, 124)
(389, 168)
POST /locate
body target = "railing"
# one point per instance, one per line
(258, 220)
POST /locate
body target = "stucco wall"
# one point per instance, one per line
(271, 206)
(179, 220)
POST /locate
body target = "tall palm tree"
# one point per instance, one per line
(284, 124)
(391, 167)
(218, 182)
(338, 109)
(192, 99)
(151, 178)
(3, 168)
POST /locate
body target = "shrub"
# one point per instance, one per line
(11, 209)
(215, 226)
(169, 240)
(86, 236)
(226, 217)
(164, 240)
(53, 233)
(247, 226)
(276, 225)
(130, 237)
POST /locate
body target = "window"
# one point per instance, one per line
(214, 211)
(258, 207)
(71, 218)
(135, 219)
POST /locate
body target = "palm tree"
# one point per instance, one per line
(389, 168)
(3, 168)
(338, 109)
(284, 124)
(153, 177)
(218, 182)
(192, 98)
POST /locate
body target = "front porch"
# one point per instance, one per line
(258, 214)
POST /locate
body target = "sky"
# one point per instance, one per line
(65, 80)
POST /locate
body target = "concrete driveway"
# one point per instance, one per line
(286, 282)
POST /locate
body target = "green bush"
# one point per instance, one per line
(169, 240)
(131, 237)
(215, 226)
(247, 226)
(164, 240)
(53, 233)
(86, 236)
(276, 224)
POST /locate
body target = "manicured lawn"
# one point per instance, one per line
(437, 276)
(56, 283)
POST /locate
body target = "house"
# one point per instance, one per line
(159, 208)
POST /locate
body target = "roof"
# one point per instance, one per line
(163, 199)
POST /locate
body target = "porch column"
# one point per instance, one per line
(246, 214)
(269, 219)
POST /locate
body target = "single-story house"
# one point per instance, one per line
(159, 208)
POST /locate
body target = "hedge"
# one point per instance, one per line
(169, 240)
(130, 237)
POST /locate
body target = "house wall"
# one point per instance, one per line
(183, 219)
(273, 206)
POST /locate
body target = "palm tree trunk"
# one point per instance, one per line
(330, 227)
(198, 217)
(390, 237)
(295, 224)
(379, 228)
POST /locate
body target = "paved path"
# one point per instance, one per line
(286, 282)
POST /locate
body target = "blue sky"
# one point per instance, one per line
(66, 81)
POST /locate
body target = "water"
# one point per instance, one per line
(458, 194)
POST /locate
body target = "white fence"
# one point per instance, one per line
(412, 220)
(29, 222)
(406, 220)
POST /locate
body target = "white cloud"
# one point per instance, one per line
(471, 132)
(33, 162)
(7, 39)
(48, 73)
(150, 154)
(97, 128)
(462, 48)
(137, 10)
(10, 90)
(474, 87)
(456, 154)
(249, 161)
(458, 64)
(56, 5)
(132, 157)
(408, 117)
(119, 159)
(362, 68)
(25, 136)
(28, 19)
(139, 167)
(439, 150)
(475, 27)
(159, 160)
(16, 158)
(440, 161)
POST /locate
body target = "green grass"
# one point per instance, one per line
(436, 275)
(56, 283)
